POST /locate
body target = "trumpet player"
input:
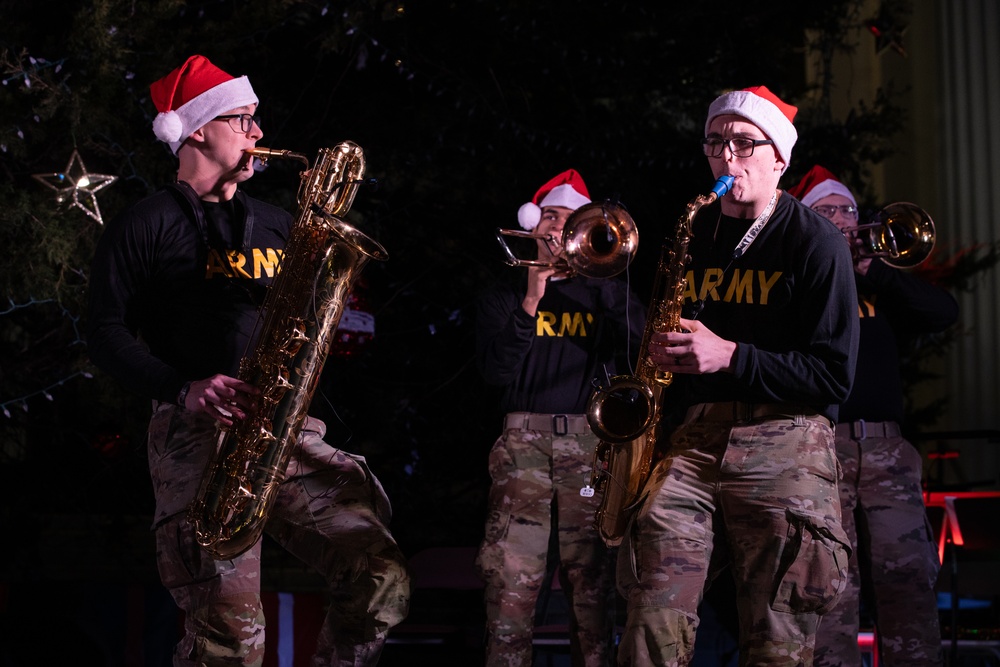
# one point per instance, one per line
(747, 486)
(541, 342)
(895, 558)
(176, 284)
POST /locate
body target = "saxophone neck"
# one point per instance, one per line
(265, 154)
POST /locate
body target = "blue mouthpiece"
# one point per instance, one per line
(722, 186)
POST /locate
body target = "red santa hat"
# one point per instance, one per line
(567, 190)
(765, 110)
(817, 184)
(193, 94)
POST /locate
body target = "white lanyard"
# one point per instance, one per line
(754, 230)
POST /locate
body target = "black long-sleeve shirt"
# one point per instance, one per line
(893, 306)
(789, 303)
(546, 364)
(176, 286)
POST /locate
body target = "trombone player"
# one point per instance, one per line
(541, 341)
(880, 491)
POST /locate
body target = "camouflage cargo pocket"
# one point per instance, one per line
(813, 569)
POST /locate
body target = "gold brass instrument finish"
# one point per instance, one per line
(265, 154)
(599, 240)
(901, 234)
(302, 309)
(625, 414)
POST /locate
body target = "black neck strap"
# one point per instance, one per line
(196, 212)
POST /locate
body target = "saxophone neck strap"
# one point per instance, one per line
(754, 230)
(196, 212)
(191, 204)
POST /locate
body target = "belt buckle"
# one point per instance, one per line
(859, 430)
(560, 424)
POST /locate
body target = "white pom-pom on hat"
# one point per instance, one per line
(529, 215)
(167, 127)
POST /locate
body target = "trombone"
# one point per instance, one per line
(902, 235)
(599, 240)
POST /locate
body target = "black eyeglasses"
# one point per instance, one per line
(246, 121)
(738, 146)
(848, 211)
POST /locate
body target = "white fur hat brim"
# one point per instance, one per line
(762, 113)
(564, 195)
(825, 189)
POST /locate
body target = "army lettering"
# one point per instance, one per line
(234, 264)
(866, 305)
(565, 324)
(743, 286)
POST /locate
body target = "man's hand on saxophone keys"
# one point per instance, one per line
(222, 398)
(695, 350)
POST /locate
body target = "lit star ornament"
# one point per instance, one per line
(77, 186)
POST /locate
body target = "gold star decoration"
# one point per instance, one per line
(77, 186)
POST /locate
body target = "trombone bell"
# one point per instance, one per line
(901, 234)
(599, 240)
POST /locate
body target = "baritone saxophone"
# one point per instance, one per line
(302, 309)
(626, 413)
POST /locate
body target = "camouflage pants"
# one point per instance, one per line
(760, 497)
(534, 472)
(330, 512)
(885, 518)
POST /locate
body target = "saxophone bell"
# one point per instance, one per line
(622, 410)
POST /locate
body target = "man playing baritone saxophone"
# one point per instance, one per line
(176, 285)
(749, 477)
(542, 342)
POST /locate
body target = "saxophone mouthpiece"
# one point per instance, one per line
(722, 186)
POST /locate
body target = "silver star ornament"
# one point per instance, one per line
(77, 186)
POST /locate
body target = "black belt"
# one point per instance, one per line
(861, 429)
(557, 424)
(740, 412)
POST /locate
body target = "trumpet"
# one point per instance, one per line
(599, 240)
(901, 235)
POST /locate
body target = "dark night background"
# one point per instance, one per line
(463, 108)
